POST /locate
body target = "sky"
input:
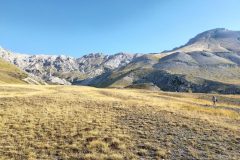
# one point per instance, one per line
(79, 27)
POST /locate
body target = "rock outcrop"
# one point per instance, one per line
(65, 69)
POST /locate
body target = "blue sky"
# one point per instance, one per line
(78, 27)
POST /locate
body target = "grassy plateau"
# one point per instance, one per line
(85, 123)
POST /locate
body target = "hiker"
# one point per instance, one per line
(214, 100)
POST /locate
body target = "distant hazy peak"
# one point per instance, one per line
(218, 33)
(215, 40)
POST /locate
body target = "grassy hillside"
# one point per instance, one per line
(71, 122)
(9, 74)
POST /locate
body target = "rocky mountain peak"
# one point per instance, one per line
(93, 55)
(61, 69)
(215, 40)
(217, 34)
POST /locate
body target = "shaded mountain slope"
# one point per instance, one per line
(221, 67)
(161, 79)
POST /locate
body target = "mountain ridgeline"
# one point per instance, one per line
(209, 62)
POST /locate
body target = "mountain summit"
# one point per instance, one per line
(215, 40)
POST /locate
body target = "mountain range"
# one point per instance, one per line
(209, 62)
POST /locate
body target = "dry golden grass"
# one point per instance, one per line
(10, 74)
(71, 122)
